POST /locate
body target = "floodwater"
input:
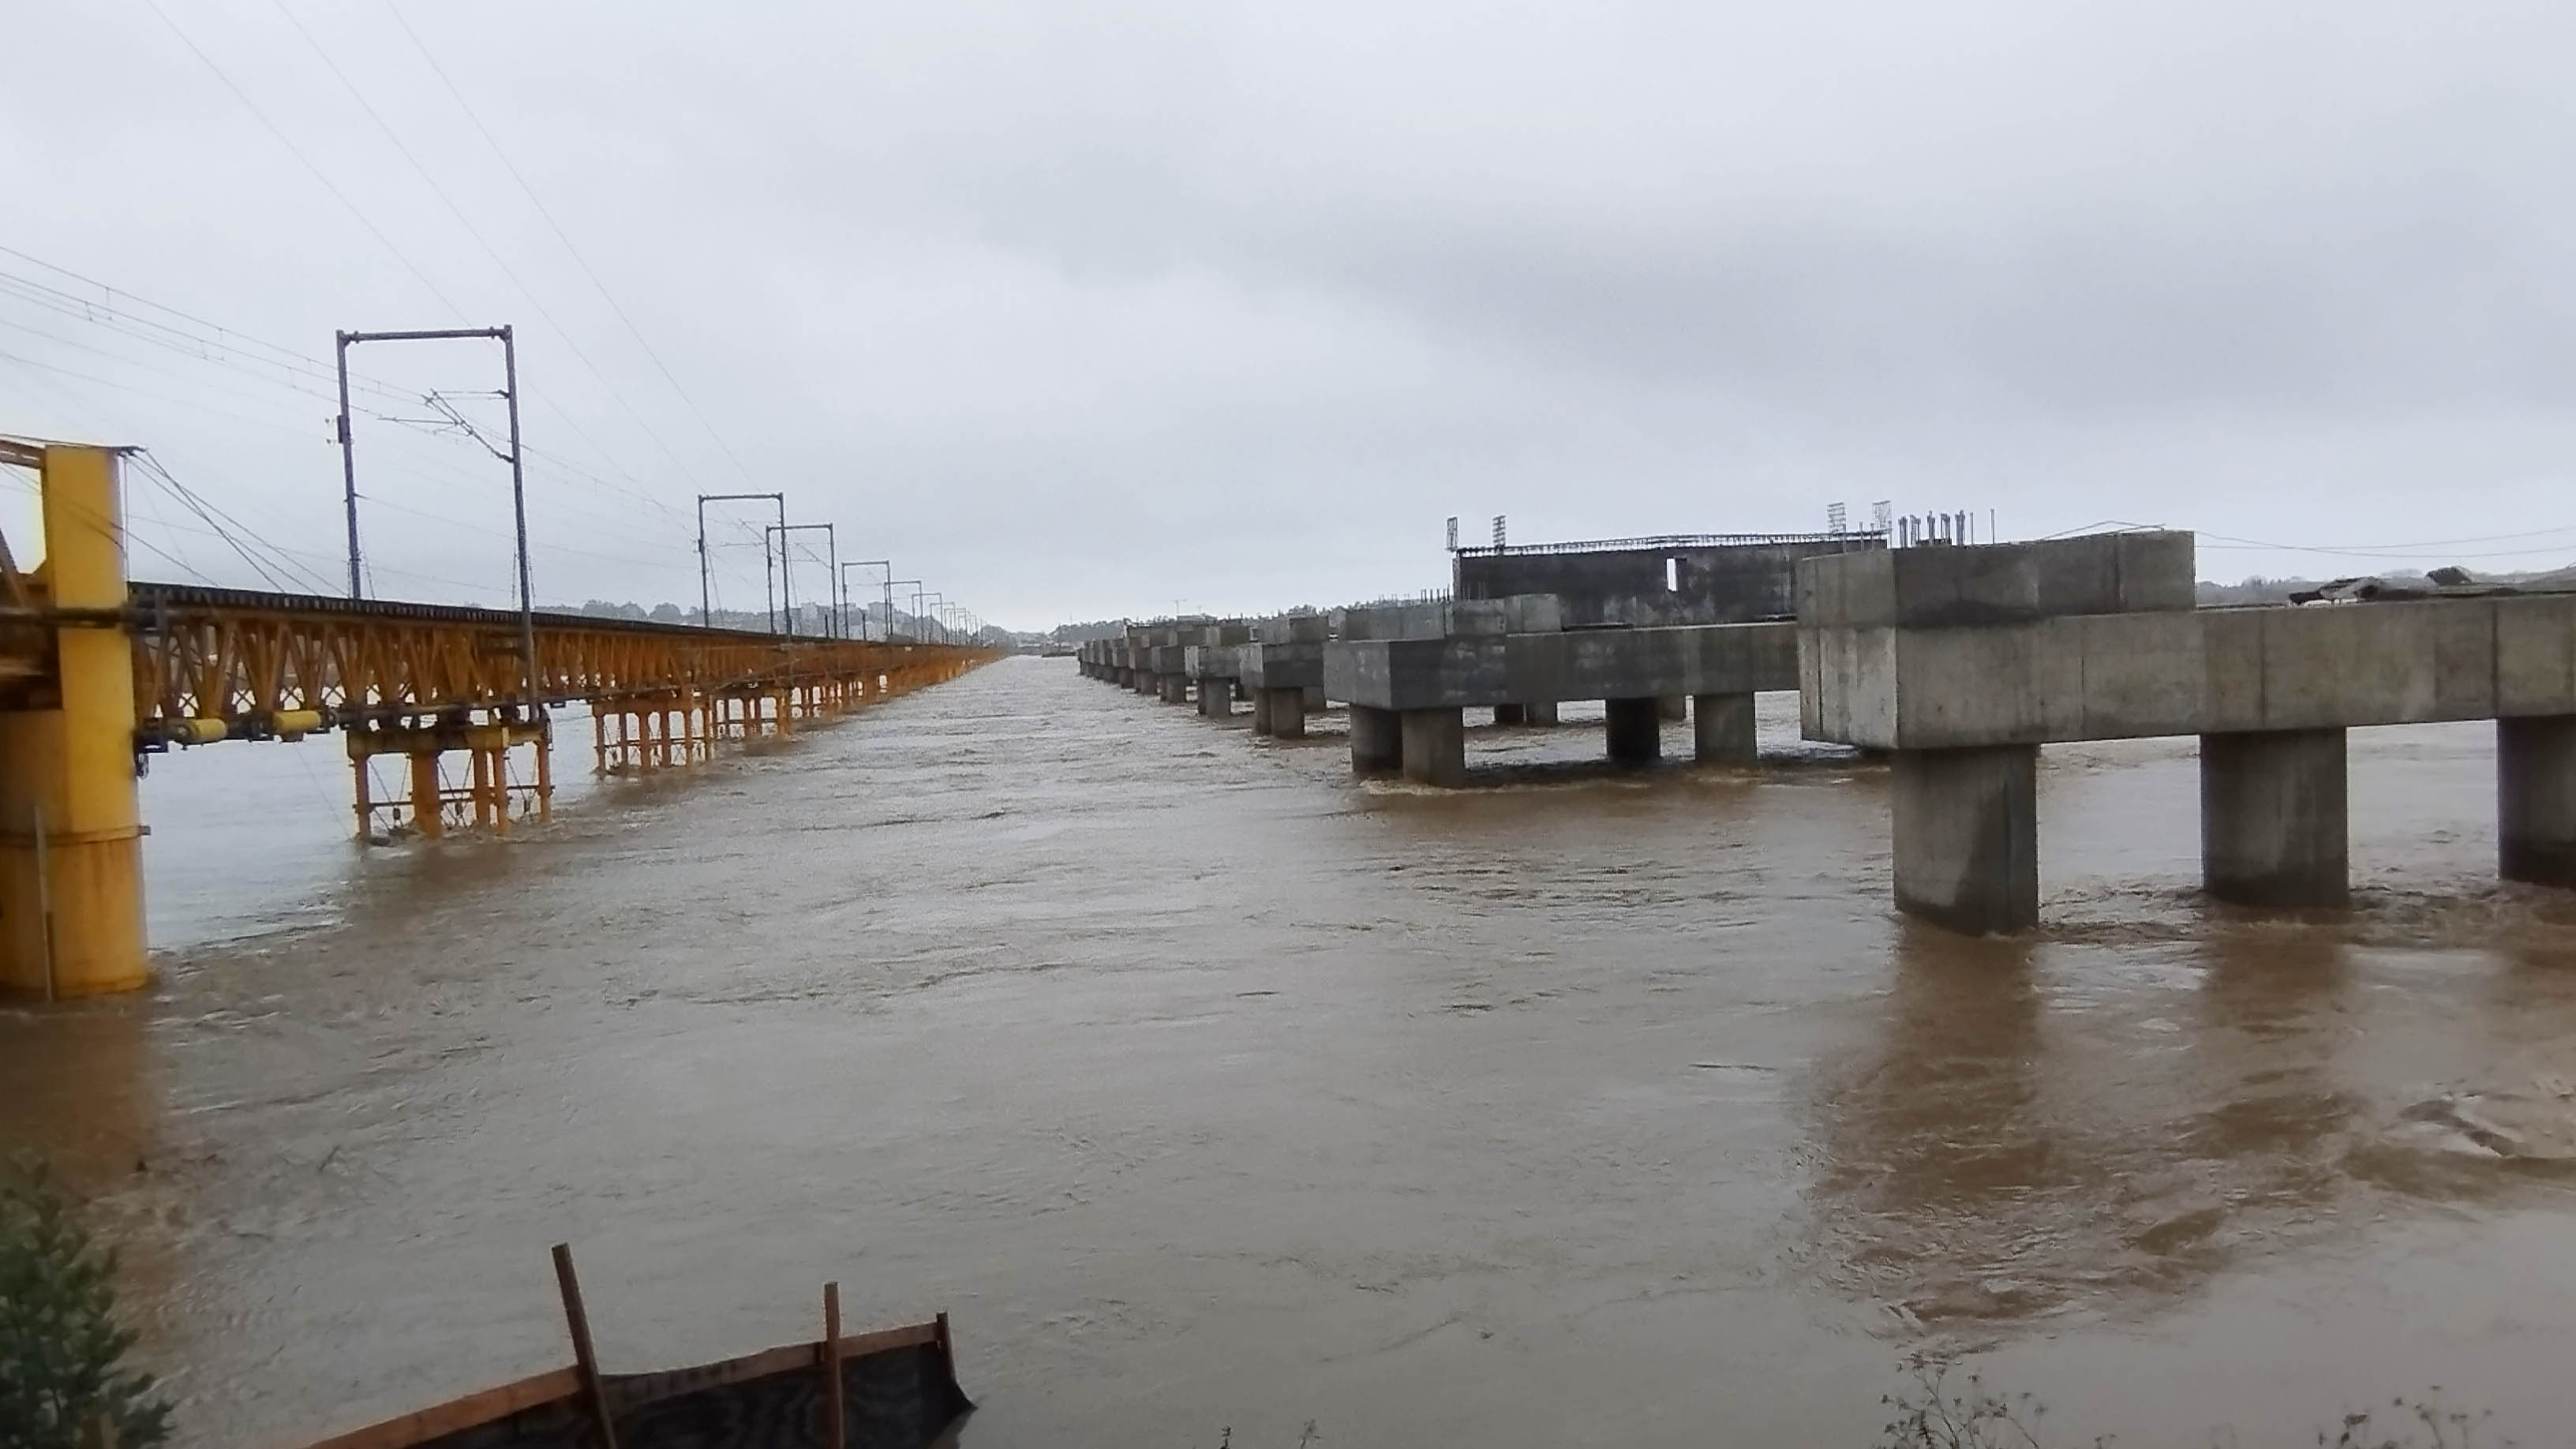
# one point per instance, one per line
(1211, 1090)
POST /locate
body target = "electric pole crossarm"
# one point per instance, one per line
(342, 342)
(706, 601)
(863, 563)
(786, 585)
(439, 334)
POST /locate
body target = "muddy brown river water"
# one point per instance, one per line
(1209, 1089)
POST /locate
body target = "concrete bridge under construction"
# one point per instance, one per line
(1953, 662)
(99, 672)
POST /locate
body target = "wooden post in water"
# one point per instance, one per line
(585, 1359)
(835, 1416)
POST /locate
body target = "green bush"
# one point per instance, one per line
(62, 1354)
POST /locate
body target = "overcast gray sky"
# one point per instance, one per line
(1099, 309)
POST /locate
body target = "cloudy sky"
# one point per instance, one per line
(1087, 310)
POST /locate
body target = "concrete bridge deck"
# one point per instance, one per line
(1959, 662)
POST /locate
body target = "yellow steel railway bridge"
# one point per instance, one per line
(99, 672)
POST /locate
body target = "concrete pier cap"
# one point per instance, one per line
(1963, 660)
(1280, 668)
(1451, 618)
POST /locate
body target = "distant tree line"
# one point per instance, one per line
(2261, 590)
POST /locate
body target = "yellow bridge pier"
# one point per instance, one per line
(71, 848)
(484, 801)
(98, 672)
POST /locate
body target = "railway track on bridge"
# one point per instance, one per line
(99, 673)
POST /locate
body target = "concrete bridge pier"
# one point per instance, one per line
(1280, 713)
(1174, 688)
(2536, 799)
(1287, 713)
(1377, 740)
(1967, 836)
(1216, 698)
(1636, 730)
(1435, 746)
(2272, 818)
(1722, 729)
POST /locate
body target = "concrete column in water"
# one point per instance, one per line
(1287, 712)
(1722, 729)
(2536, 799)
(1636, 731)
(71, 857)
(1175, 688)
(1216, 698)
(1967, 836)
(1377, 740)
(1435, 746)
(2272, 818)
(1312, 698)
(1261, 711)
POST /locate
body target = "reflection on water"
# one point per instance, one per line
(1210, 1088)
(2027, 1134)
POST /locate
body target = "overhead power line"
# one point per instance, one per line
(562, 236)
(298, 153)
(259, 360)
(480, 240)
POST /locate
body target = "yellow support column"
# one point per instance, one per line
(71, 849)
(428, 810)
(546, 772)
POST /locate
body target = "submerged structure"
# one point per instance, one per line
(892, 1389)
